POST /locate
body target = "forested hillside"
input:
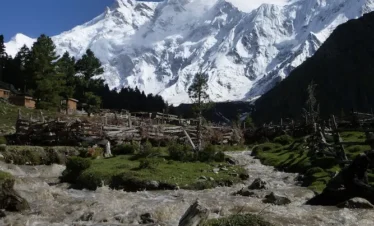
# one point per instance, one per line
(342, 69)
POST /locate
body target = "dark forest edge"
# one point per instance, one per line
(50, 78)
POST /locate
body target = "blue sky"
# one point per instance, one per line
(51, 17)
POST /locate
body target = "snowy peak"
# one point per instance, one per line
(159, 46)
(16, 43)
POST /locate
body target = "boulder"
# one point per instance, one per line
(356, 203)
(203, 178)
(194, 215)
(246, 192)
(88, 216)
(232, 161)
(146, 219)
(258, 184)
(244, 176)
(275, 199)
(10, 200)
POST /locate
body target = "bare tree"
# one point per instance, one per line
(311, 112)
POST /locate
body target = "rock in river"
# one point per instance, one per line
(275, 199)
(356, 203)
(258, 184)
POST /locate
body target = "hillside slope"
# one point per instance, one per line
(342, 69)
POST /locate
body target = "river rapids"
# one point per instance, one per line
(53, 203)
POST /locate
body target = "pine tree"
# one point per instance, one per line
(66, 67)
(199, 97)
(23, 79)
(3, 57)
(87, 68)
(46, 81)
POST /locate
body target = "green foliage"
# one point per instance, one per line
(66, 67)
(283, 140)
(92, 103)
(238, 220)
(182, 153)
(249, 122)
(74, 167)
(125, 149)
(210, 154)
(46, 82)
(3, 140)
(78, 164)
(150, 163)
(123, 172)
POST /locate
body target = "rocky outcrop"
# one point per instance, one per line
(356, 203)
(10, 200)
(194, 215)
(275, 199)
(258, 184)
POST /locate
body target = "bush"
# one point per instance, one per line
(78, 164)
(182, 153)
(149, 163)
(283, 140)
(74, 167)
(210, 154)
(125, 149)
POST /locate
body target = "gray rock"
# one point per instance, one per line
(203, 178)
(146, 219)
(223, 169)
(279, 200)
(356, 203)
(194, 215)
(234, 174)
(216, 170)
(211, 178)
(247, 193)
(244, 176)
(258, 184)
(120, 218)
(153, 184)
(232, 161)
(88, 216)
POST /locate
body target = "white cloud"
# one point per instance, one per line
(249, 5)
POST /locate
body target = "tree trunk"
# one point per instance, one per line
(199, 133)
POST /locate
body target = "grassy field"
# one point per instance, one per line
(317, 170)
(130, 173)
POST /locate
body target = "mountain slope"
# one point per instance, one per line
(341, 68)
(159, 46)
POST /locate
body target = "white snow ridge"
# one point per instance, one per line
(245, 46)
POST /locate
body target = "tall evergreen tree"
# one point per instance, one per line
(66, 67)
(22, 78)
(3, 57)
(47, 82)
(199, 97)
(87, 68)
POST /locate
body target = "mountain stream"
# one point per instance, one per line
(53, 203)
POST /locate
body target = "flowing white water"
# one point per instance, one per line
(57, 205)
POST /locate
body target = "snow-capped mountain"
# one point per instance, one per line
(159, 46)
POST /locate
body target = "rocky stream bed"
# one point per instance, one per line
(52, 203)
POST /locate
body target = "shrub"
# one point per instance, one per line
(283, 140)
(78, 164)
(125, 149)
(210, 154)
(183, 153)
(74, 167)
(149, 163)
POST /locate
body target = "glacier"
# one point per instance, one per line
(245, 48)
